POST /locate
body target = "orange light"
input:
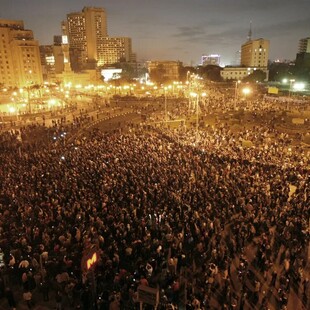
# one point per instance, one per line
(91, 261)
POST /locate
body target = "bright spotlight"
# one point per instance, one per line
(299, 86)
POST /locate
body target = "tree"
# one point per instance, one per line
(210, 72)
(185, 71)
(302, 74)
(128, 73)
(279, 71)
(158, 74)
(257, 75)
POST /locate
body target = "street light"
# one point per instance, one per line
(28, 87)
(236, 93)
(197, 96)
(290, 89)
(165, 91)
(246, 91)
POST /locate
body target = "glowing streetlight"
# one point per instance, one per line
(300, 86)
(246, 91)
(52, 102)
(197, 96)
(292, 81)
(12, 110)
(165, 90)
(236, 93)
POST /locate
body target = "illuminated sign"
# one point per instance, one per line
(273, 90)
(64, 39)
(111, 74)
(91, 261)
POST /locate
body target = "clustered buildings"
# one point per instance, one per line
(19, 55)
(254, 56)
(84, 47)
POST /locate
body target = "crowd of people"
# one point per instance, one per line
(210, 222)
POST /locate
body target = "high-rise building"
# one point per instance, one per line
(85, 32)
(255, 53)
(113, 50)
(304, 45)
(254, 56)
(303, 55)
(90, 45)
(20, 64)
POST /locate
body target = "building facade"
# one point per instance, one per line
(114, 49)
(304, 45)
(239, 73)
(85, 31)
(255, 53)
(254, 56)
(164, 71)
(20, 64)
(90, 45)
(303, 56)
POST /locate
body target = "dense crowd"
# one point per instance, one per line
(161, 209)
(214, 219)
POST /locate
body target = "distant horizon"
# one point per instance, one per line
(178, 29)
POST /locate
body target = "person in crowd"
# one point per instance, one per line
(161, 208)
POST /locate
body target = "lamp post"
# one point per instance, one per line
(197, 114)
(197, 96)
(28, 99)
(189, 82)
(165, 90)
(28, 87)
(236, 93)
(246, 91)
(290, 89)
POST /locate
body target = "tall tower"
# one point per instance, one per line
(61, 54)
(20, 65)
(254, 53)
(85, 31)
(250, 32)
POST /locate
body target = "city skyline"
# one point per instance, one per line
(179, 29)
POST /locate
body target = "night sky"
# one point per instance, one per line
(179, 29)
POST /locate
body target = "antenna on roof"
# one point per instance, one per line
(250, 32)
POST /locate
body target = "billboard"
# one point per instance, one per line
(111, 74)
(273, 90)
(148, 295)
